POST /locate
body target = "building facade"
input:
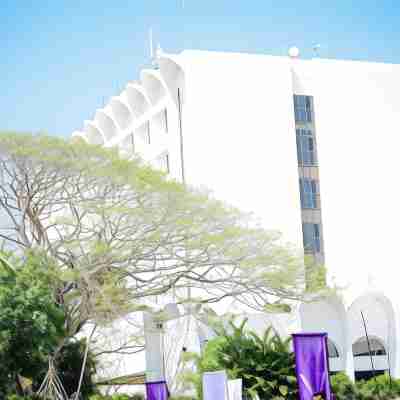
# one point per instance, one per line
(309, 146)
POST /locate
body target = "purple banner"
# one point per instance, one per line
(157, 390)
(312, 368)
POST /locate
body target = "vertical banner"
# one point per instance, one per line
(157, 390)
(215, 386)
(312, 368)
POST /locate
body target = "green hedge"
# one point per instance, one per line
(135, 396)
(182, 398)
(378, 388)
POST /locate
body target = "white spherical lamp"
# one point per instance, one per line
(294, 52)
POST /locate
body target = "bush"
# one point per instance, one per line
(343, 387)
(138, 396)
(378, 388)
(264, 363)
(182, 398)
(119, 396)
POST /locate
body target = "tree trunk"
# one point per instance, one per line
(84, 364)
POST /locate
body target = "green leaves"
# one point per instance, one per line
(264, 363)
(31, 324)
(283, 390)
(96, 212)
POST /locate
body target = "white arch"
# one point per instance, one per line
(94, 134)
(154, 85)
(121, 112)
(137, 99)
(106, 124)
(329, 315)
(80, 135)
(382, 322)
(172, 72)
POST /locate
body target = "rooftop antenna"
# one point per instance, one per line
(316, 48)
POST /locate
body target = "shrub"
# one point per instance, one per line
(264, 363)
(138, 396)
(343, 387)
(182, 398)
(119, 396)
(378, 388)
(26, 397)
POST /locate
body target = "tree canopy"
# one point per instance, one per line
(123, 234)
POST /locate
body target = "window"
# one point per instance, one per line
(361, 348)
(311, 238)
(306, 154)
(303, 108)
(309, 193)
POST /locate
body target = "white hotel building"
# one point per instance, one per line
(312, 147)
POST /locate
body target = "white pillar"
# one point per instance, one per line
(153, 333)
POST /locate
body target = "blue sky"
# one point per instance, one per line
(60, 60)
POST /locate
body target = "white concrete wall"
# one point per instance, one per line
(239, 135)
(357, 110)
(329, 315)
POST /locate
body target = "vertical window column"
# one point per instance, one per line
(309, 193)
(312, 238)
(306, 154)
(303, 108)
(308, 175)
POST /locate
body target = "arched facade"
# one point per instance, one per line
(173, 75)
(121, 112)
(93, 133)
(137, 99)
(154, 85)
(376, 314)
(329, 315)
(346, 333)
(106, 124)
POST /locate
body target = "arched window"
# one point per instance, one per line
(332, 349)
(360, 347)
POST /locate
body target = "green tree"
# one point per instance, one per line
(31, 322)
(123, 235)
(127, 234)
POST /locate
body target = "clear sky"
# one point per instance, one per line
(61, 59)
